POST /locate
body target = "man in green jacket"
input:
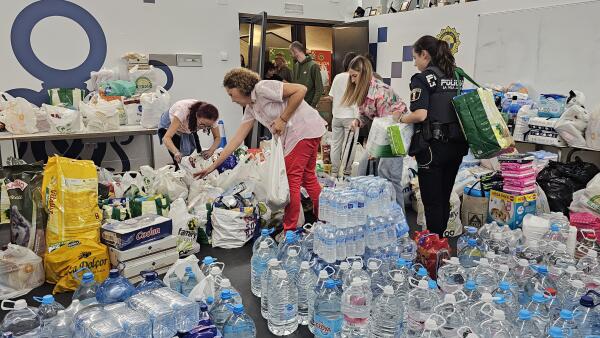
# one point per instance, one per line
(308, 73)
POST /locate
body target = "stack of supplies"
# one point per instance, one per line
(518, 173)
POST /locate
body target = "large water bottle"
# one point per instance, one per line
(356, 306)
(525, 327)
(559, 258)
(408, 247)
(265, 236)
(115, 288)
(421, 274)
(305, 281)
(539, 282)
(258, 264)
(451, 276)
(433, 329)
(86, 291)
(452, 314)
(162, 317)
(214, 279)
(283, 305)
(587, 316)
(511, 301)
(481, 310)
(497, 326)
(473, 294)
(265, 285)
(399, 281)
(61, 327)
(567, 324)
(360, 241)
(134, 323)
(421, 302)
(554, 235)
(21, 320)
(328, 318)
(225, 284)
(485, 276)
(522, 273)
(532, 253)
(470, 232)
(589, 262)
(470, 254)
(539, 311)
(376, 276)
(220, 312)
(569, 274)
(47, 310)
(185, 310)
(239, 324)
(317, 288)
(386, 315)
(189, 281)
(150, 282)
(207, 263)
(290, 239)
(357, 272)
(571, 295)
(174, 282)
(291, 261)
(340, 242)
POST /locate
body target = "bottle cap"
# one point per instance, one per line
(499, 300)
(486, 297)
(498, 315)
(273, 262)
(20, 304)
(555, 332)
(264, 232)
(344, 265)
(203, 307)
(422, 272)
(472, 230)
(238, 309)
(400, 262)
(450, 298)
(538, 298)
(226, 294)
(323, 274)
(113, 273)
(372, 265)
(225, 283)
(554, 228)
(423, 284)
(356, 282)
(88, 277)
(542, 269)
(330, 284)
(504, 285)
(210, 300)
(566, 314)
(48, 299)
(472, 242)
(432, 284)
(304, 265)
(356, 265)
(292, 253)
(524, 314)
(263, 245)
(398, 277)
(388, 290)
(208, 260)
(430, 324)
(470, 285)
(585, 301)
(523, 262)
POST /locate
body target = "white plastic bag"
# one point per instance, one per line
(592, 133)
(145, 79)
(231, 228)
(378, 143)
(148, 177)
(101, 115)
(541, 204)
(201, 193)
(154, 104)
(133, 110)
(22, 270)
(454, 227)
(128, 185)
(63, 120)
(170, 183)
(185, 227)
(588, 199)
(179, 268)
(275, 177)
(572, 124)
(19, 116)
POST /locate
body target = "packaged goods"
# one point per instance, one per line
(66, 97)
(510, 209)
(136, 231)
(20, 271)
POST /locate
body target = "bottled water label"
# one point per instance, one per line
(327, 327)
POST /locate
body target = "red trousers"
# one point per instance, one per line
(300, 165)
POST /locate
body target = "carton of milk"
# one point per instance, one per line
(123, 235)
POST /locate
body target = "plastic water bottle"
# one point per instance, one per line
(203, 316)
(421, 274)
(371, 232)
(265, 284)
(525, 327)
(341, 272)
(265, 236)
(485, 276)
(539, 311)
(539, 282)
(150, 282)
(559, 258)
(21, 320)
(431, 329)
(162, 317)
(74, 308)
(291, 261)
(214, 279)
(497, 326)
(47, 310)
(386, 315)
(61, 327)
(452, 314)
(226, 285)
(554, 235)
(329, 244)
(283, 305)
(185, 310)
(174, 282)
(328, 313)
(473, 294)
(589, 262)
(572, 294)
(206, 265)
(376, 276)
(587, 317)
(569, 274)
(470, 254)
(134, 323)
(408, 247)
(305, 281)
(220, 312)
(421, 302)
(567, 324)
(239, 324)
(555, 332)
(511, 302)
(532, 253)
(356, 305)
(86, 291)
(115, 288)
(451, 276)
(470, 232)
(189, 281)
(360, 240)
(399, 282)
(357, 272)
(258, 263)
(350, 241)
(317, 288)
(290, 239)
(481, 310)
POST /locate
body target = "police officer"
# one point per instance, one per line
(438, 143)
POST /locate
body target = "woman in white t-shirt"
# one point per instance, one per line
(342, 117)
(179, 126)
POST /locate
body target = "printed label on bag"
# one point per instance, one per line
(143, 84)
(327, 327)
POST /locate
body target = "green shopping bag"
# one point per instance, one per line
(66, 97)
(145, 205)
(485, 130)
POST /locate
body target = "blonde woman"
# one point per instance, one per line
(375, 99)
(281, 108)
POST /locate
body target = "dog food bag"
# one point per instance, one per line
(27, 215)
(70, 195)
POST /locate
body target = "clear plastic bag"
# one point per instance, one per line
(20, 271)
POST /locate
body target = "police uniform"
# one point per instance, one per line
(438, 143)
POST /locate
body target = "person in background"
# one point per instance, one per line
(375, 99)
(438, 143)
(307, 73)
(271, 72)
(280, 107)
(282, 69)
(342, 116)
(178, 128)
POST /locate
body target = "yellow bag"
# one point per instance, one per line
(64, 259)
(70, 195)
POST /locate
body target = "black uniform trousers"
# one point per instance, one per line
(437, 172)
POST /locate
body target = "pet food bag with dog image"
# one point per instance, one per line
(70, 195)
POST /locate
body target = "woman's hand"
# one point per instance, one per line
(177, 157)
(206, 154)
(355, 125)
(204, 172)
(278, 126)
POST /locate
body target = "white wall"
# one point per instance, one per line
(209, 27)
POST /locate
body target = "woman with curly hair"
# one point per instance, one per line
(281, 108)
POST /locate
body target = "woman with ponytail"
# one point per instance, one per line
(438, 143)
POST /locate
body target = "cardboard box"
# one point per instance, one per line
(125, 256)
(156, 262)
(507, 209)
(123, 235)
